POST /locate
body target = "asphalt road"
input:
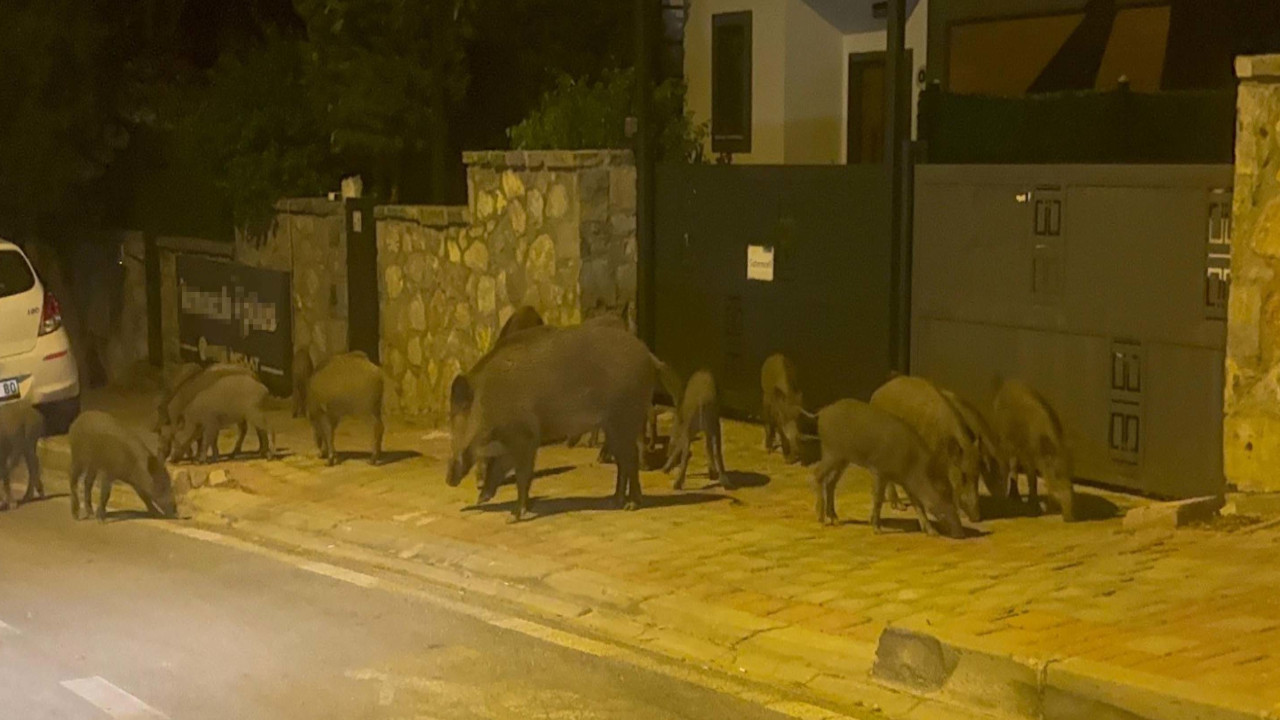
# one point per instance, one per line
(125, 620)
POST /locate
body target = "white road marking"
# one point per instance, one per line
(8, 629)
(772, 701)
(112, 700)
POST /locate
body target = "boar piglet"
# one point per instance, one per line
(102, 448)
(233, 400)
(699, 411)
(21, 427)
(348, 384)
(782, 404)
(1031, 437)
(551, 385)
(853, 432)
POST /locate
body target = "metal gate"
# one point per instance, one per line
(1104, 287)
(822, 232)
(362, 277)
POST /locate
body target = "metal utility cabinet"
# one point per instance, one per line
(1104, 287)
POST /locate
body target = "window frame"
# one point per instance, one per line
(722, 143)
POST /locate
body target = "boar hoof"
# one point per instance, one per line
(631, 506)
(677, 485)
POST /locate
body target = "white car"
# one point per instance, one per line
(36, 363)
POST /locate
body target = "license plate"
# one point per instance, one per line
(8, 389)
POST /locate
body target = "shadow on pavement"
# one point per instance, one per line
(738, 479)
(548, 506)
(33, 501)
(1094, 507)
(389, 457)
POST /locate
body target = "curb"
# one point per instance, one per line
(966, 670)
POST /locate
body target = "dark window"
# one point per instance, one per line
(731, 83)
(15, 274)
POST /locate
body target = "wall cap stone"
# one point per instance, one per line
(433, 216)
(548, 159)
(1258, 67)
(309, 206)
(198, 246)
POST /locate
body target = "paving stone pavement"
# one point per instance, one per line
(752, 564)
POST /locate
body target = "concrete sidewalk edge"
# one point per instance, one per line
(965, 669)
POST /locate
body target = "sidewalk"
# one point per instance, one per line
(1034, 618)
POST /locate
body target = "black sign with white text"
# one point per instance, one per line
(233, 313)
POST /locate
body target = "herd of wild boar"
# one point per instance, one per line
(541, 384)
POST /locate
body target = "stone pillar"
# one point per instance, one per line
(1252, 397)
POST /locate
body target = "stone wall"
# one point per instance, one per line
(308, 239)
(555, 230)
(1252, 403)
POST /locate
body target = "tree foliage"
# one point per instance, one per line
(581, 114)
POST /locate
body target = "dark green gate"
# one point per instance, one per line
(829, 304)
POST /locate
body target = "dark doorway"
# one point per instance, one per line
(362, 277)
(866, 108)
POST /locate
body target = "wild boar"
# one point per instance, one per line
(182, 396)
(1031, 437)
(923, 406)
(348, 384)
(101, 446)
(853, 432)
(233, 400)
(781, 403)
(699, 411)
(21, 427)
(555, 384)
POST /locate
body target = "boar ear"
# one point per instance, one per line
(461, 395)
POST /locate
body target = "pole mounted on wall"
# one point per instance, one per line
(897, 149)
(647, 12)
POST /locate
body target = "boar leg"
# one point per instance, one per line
(324, 436)
(925, 525)
(877, 500)
(895, 502)
(686, 452)
(243, 428)
(628, 459)
(74, 477)
(715, 450)
(830, 492)
(209, 443)
(825, 476)
(89, 479)
(35, 484)
(104, 494)
(378, 429)
(523, 454)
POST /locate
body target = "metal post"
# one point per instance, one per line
(897, 136)
(646, 14)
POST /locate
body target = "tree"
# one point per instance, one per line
(61, 125)
(387, 76)
(580, 114)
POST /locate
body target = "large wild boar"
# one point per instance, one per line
(348, 384)
(233, 400)
(552, 384)
(781, 403)
(699, 411)
(923, 406)
(993, 465)
(102, 448)
(21, 427)
(853, 432)
(1031, 437)
(303, 368)
(182, 395)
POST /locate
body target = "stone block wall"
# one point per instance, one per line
(1251, 434)
(308, 239)
(554, 230)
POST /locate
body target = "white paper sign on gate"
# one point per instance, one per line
(760, 263)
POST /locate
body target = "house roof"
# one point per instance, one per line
(852, 16)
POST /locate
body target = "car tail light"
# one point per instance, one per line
(51, 316)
